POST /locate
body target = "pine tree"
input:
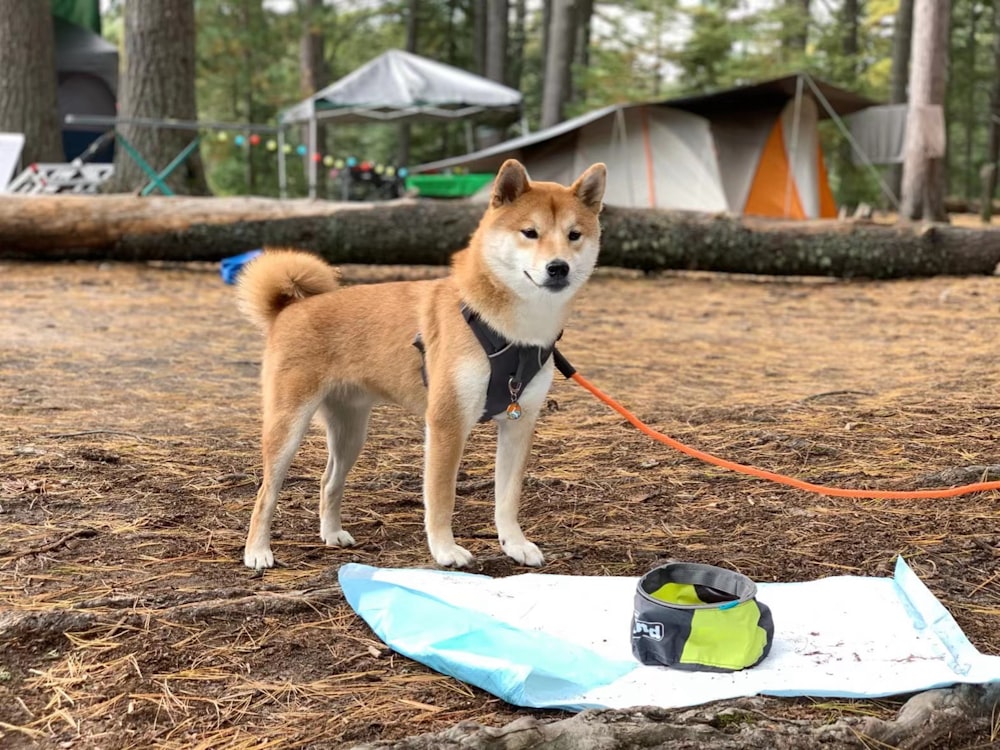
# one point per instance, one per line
(28, 78)
(558, 62)
(923, 175)
(159, 83)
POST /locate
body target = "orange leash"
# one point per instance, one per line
(820, 489)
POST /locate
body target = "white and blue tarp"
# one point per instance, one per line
(553, 641)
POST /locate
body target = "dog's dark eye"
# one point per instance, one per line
(531, 234)
(574, 236)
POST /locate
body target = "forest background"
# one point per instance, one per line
(256, 57)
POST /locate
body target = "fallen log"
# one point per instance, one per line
(418, 232)
(955, 205)
(960, 716)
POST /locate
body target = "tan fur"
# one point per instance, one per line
(339, 352)
(279, 278)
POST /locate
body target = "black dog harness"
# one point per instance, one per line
(511, 367)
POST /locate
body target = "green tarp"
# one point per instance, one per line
(86, 13)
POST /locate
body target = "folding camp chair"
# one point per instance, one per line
(157, 178)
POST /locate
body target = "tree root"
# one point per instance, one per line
(925, 719)
(27, 626)
(936, 714)
(961, 475)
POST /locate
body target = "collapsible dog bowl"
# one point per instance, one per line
(699, 617)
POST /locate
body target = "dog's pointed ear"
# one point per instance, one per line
(589, 187)
(510, 184)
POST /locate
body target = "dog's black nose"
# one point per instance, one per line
(557, 269)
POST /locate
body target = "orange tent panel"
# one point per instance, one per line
(827, 205)
(773, 184)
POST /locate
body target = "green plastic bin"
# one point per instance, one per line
(447, 185)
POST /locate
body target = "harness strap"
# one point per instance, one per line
(512, 366)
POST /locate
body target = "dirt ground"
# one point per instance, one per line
(129, 456)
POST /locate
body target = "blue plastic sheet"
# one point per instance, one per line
(525, 667)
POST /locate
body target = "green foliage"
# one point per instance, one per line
(632, 60)
(711, 53)
(968, 107)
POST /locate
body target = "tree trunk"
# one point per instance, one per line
(546, 30)
(796, 34)
(516, 39)
(922, 187)
(427, 232)
(993, 144)
(412, 30)
(496, 40)
(480, 13)
(581, 47)
(248, 91)
(959, 715)
(970, 123)
(28, 79)
(558, 62)
(849, 48)
(314, 74)
(452, 59)
(496, 60)
(412, 24)
(158, 82)
(902, 36)
(849, 41)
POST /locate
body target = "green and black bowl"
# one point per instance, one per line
(699, 617)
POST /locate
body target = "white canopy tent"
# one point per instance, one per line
(399, 86)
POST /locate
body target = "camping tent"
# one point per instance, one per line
(767, 136)
(87, 68)
(750, 150)
(658, 156)
(399, 86)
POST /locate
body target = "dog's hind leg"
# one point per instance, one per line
(513, 445)
(346, 430)
(284, 428)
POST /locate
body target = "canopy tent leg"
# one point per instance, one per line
(282, 169)
(470, 139)
(312, 168)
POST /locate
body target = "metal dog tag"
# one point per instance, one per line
(514, 387)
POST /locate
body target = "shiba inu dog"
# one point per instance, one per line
(473, 346)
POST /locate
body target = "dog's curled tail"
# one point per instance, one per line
(277, 278)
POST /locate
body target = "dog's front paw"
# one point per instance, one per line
(258, 558)
(339, 538)
(452, 556)
(524, 552)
